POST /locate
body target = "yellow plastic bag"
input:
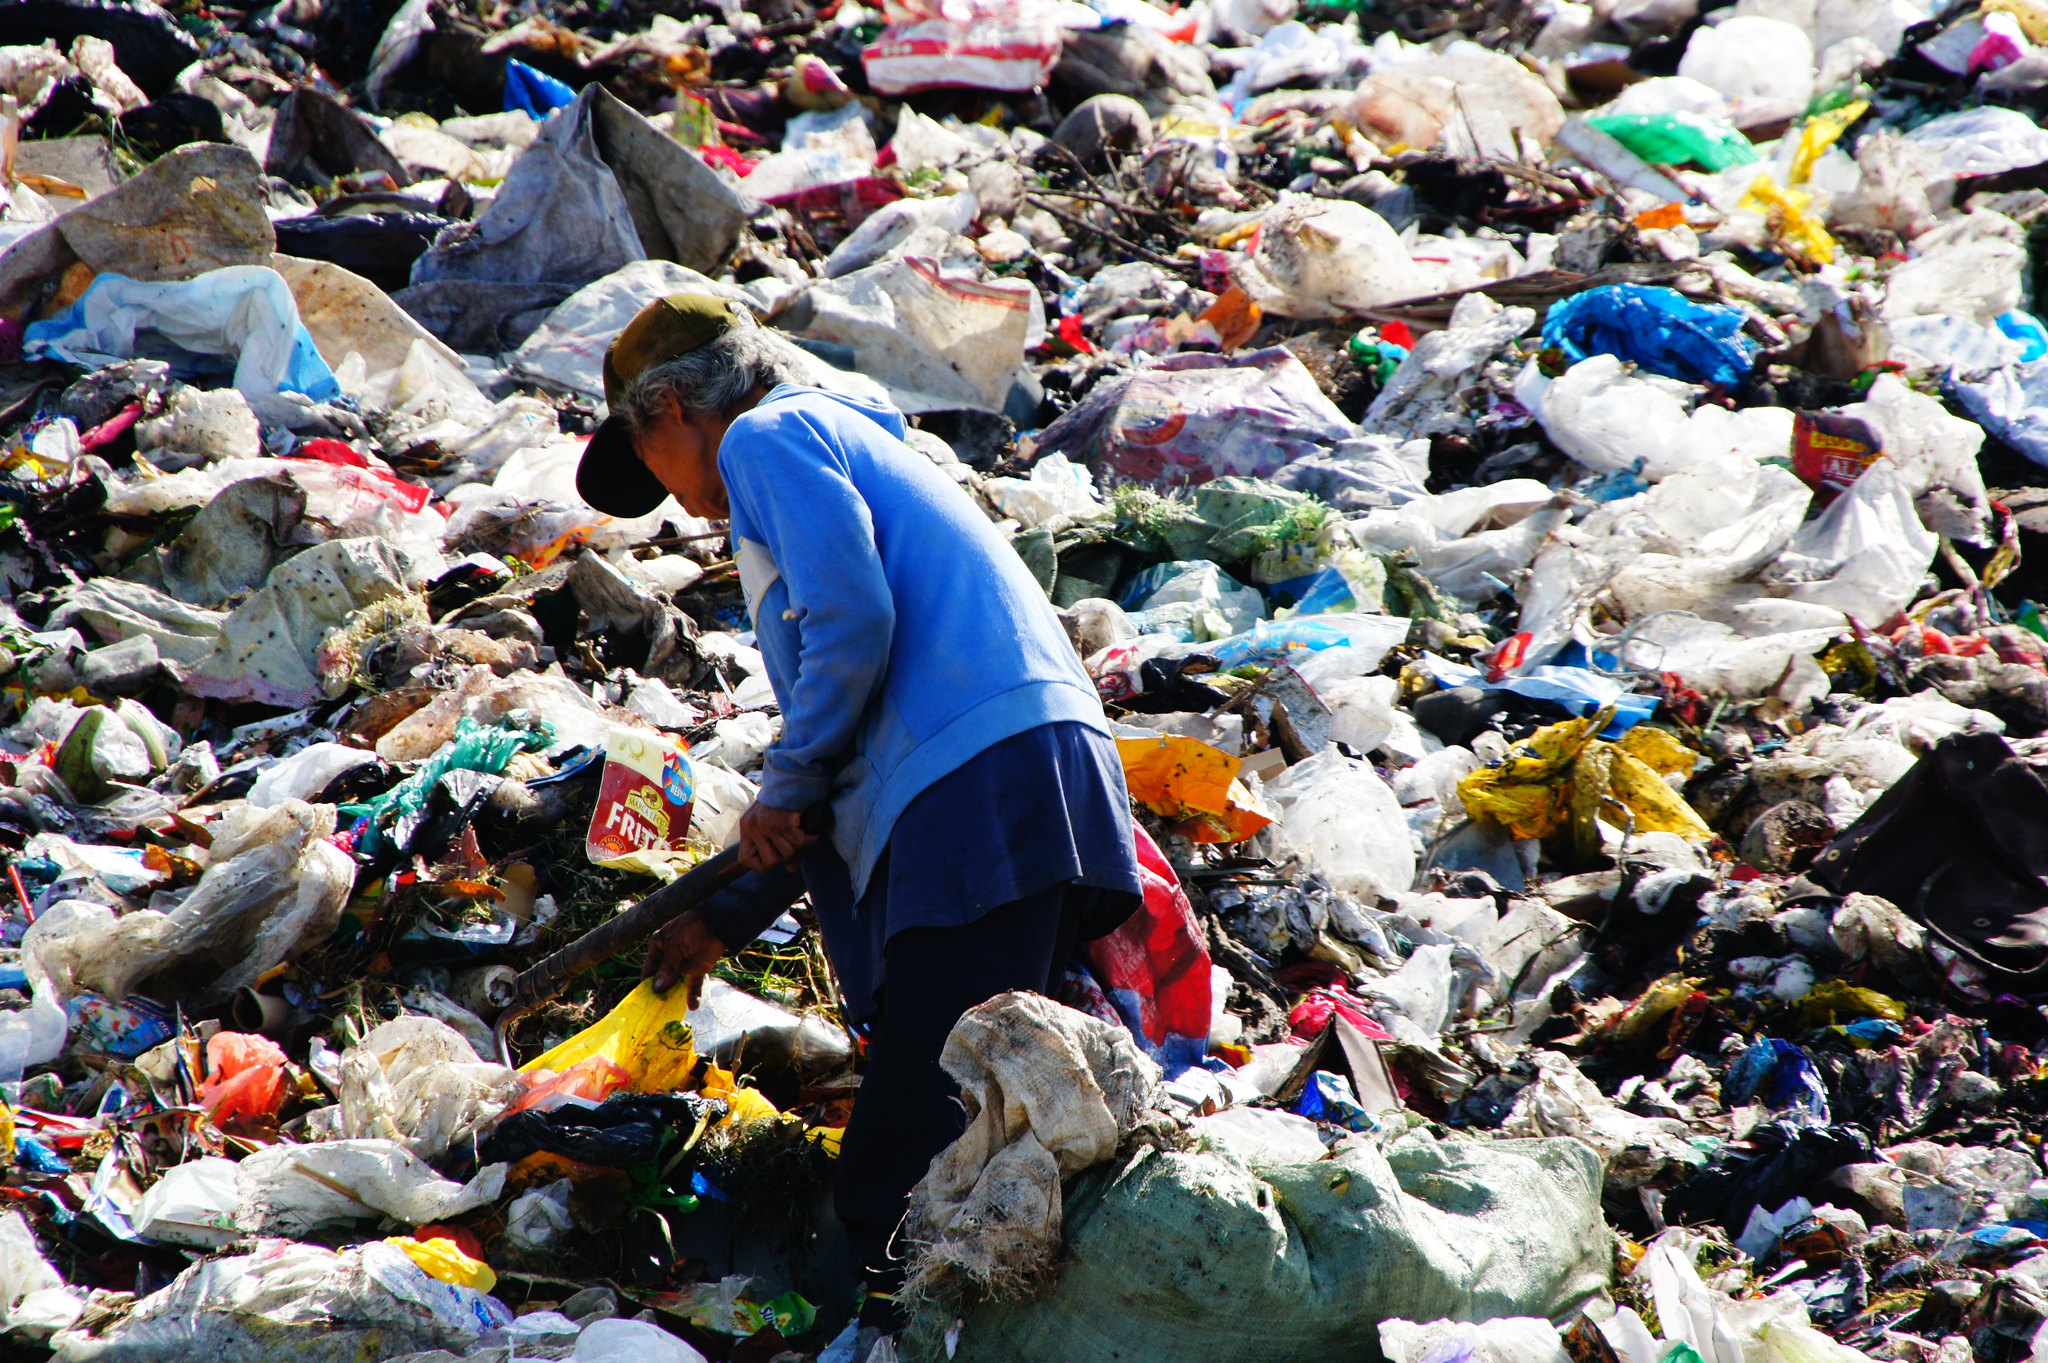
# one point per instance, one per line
(1798, 230)
(1186, 779)
(1563, 777)
(646, 1045)
(1819, 134)
(1526, 793)
(1646, 1023)
(441, 1259)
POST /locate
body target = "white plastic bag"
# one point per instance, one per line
(192, 1204)
(937, 337)
(537, 1219)
(1610, 419)
(1982, 141)
(1469, 102)
(567, 350)
(1764, 67)
(296, 1189)
(631, 1341)
(305, 773)
(303, 1302)
(891, 227)
(241, 311)
(1337, 814)
(1055, 487)
(275, 886)
(1979, 280)
(34, 1298)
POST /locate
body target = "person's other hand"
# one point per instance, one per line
(683, 949)
(771, 838)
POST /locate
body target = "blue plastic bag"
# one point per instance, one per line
(533, 93)
(2025, 328)
(1659, 329)
(239, 319)
(1781, 1077)
(1569, 685)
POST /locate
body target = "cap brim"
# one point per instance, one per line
(611, 477)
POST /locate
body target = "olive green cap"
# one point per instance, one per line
(610, 475)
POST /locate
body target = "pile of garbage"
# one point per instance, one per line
(1550, 495)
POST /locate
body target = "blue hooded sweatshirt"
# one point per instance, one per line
(902, 635)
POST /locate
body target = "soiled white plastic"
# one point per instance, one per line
(203, 424)
(302, 1302)
(1983, 141)
(275, 886)
(737, 743)
(1764, 67)
(1975, 279)
(1362, 710)
(193, 1204)
(1325, 258)
(1564, 1102)
(415, 1081)
(894, 227)
(537, 1219)
(1509, 1339)
(937, 336)
(567, 350)
(292, 1190)
(1337, 814)
(1469, 102)
(1055, 487)
(1199, 602)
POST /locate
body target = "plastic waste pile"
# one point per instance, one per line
(1550, 494)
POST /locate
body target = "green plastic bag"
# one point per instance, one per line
(1674, 139)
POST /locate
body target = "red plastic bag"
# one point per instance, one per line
(244, 1077)
(1315, 1010)
(1155, 969)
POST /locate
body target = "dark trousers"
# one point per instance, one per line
(907, 1110)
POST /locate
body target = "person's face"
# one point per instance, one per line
(681, 449)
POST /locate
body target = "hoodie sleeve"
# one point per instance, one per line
(792, 483)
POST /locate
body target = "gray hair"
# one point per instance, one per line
(714, 380)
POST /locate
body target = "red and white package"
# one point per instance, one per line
(1013, 50)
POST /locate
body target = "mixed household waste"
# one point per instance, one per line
(1549, 493)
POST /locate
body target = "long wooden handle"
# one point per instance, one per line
(542, 981)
